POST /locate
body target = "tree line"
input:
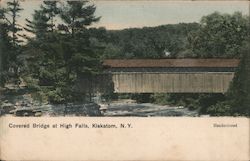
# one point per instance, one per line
(217, 35)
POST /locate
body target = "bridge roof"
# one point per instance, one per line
(166, 63)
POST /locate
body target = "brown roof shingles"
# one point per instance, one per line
(154, 63)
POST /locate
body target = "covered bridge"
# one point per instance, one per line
(171, 75)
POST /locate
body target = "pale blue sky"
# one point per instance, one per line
(126, 14)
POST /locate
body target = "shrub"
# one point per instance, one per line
(142, 97)
(31, 83)
(207, 100)
(220, 109)
(56, 96)
(39, 96)
(160, 98)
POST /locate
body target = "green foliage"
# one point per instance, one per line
(189, 100)
(220, 109)
(58, 58)
(142, 97)
(237, 101)
(39, 97)
(111, 51)
(51, 10)
(239, 91)
(31, 83)
(43, 21)
(217, 35)
(4, 53)
(62, 59)
(192, 101)
(207, 100)
(39, 24)
(76, 15)
(148, 42)
(161, 99)
(56, 96)
(10, 42)
(13, 9)
(220, 35)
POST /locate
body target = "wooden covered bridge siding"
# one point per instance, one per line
(171, 82)
(172, 75)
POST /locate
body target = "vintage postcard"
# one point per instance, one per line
(124, 80)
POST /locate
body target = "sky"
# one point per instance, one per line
(120, 14)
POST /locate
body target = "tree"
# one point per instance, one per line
(10, 43)
(40, 59)
(220, 35)
(80, 53)
(150, 42)
(43, 19)
(239, 92)
(13, 10)
(77, 15)
(5, 45)
(39, 26)
(61, 58)
(237, 98)
(51, 9)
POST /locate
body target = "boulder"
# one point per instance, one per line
(91, 109)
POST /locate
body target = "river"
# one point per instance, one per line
(146, 110)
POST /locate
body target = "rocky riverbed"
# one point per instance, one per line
(21, 104)
(146, 110)
(93, 109)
